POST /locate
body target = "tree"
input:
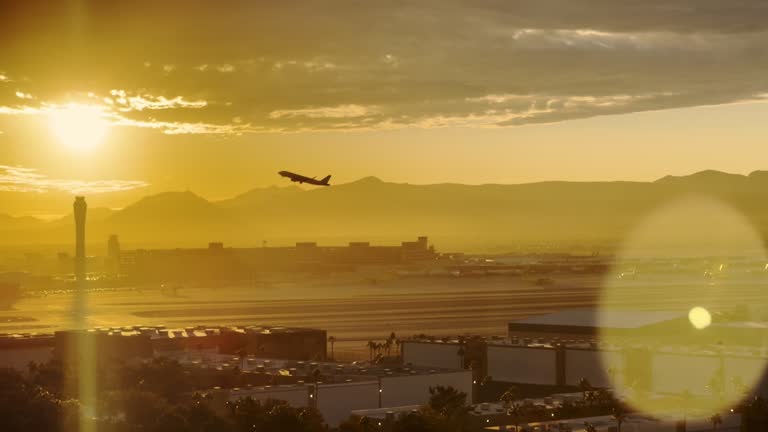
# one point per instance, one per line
(388, 347)
(586, 390)
(358, 424)
(161, 376)
(716, 421)
(619, 414)
(685, 402)
(509, 396)
(447, 401)
(517, 412)
(414, 422)
(332, 340)
(460, 354)
(249, 415)
(26, 407)
(372, 348)
(243, 356)
(140, 410)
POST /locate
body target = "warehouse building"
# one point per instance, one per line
(338, 389)
(658, 352)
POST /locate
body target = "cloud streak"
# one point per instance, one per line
(341, 111)
(125, 102)
(21, 179)
(361, 66)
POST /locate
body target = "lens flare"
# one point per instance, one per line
(676, 336)
(700, 317)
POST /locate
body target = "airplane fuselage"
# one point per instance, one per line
(303, 179)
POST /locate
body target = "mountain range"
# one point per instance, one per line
(455, 216)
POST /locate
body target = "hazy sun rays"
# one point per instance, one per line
(79, 127)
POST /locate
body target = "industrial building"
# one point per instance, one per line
(220, 263)
(336, 389)
(590, 323)
(142, 342)
(562, 348)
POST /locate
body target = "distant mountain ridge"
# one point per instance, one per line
(454, 215)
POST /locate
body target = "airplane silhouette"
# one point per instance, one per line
(302, 179)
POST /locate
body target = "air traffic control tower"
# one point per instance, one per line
(80, 208)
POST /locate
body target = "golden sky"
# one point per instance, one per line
(122, 99)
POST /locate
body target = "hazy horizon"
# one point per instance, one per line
(107, 102)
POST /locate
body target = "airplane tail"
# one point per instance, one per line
(325, 180)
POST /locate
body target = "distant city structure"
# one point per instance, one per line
(218, 262)
(113, 254)
(80, 209)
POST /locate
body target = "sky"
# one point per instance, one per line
(120, 99)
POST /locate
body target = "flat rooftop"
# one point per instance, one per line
(160, 331)
(595, 318)
(331, 371)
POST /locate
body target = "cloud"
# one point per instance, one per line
(125, 102)
(116, 108)
(22, 95)
(362, 65)
(341, 111)
(21, 110)
(225, 68)
(186, 128)
(20, 179)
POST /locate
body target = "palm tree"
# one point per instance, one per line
(243, 358)
(332, 340)
(619, 415)
(586, 389)
(685, 402)
(371, 347)
(517, 412)
(460, 354)
(509, 396)
(716, 421)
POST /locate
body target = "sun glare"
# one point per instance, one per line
(700, 317)
(79, 127)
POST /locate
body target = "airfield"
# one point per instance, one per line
(356, 311)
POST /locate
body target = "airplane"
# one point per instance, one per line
(301, 179)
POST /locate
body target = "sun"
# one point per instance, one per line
(79, 127)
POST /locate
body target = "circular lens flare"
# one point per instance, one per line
(700, 317)
(678, 337)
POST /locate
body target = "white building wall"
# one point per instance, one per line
(748, 370)
(522, 365)
(429, 354)
(296, 396)
(19, 358)
(676, 373)
(336, 401)
(414, 389)
(594, 366)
